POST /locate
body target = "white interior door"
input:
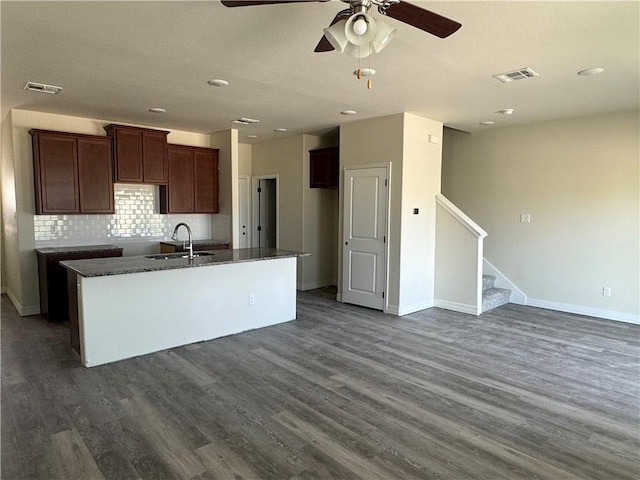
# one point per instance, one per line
(243, 212)
(364, 231)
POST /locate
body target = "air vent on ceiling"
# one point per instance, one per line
(520, 74)
(41, 87)
(245, 121)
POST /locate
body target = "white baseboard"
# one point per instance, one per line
(22, 310)
(582, 310)
(416, 307)
(517, 295)
(459, 307)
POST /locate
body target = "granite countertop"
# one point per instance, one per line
(76, 249)
(179, 243)
(99, 267)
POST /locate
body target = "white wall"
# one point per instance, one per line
(579, 180)
(457, 269)
(421, 170)
(11, 275)
(18, 196)
(283, 157)
(223, 226)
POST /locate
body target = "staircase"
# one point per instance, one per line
(493, 297)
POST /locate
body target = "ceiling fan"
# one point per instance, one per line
(355, 32)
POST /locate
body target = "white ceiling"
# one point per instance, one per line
(117, 59)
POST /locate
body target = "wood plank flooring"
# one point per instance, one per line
(341, 393)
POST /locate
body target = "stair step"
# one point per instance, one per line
(495, 297)
(488, 281)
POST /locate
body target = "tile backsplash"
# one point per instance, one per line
(136, 220)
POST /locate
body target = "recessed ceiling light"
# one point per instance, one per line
(279, 129)
(157, 110)
(505, 111)
(42, 87)
(487, 122)
(348, 112)
(218, 82)
(252, 136)
(587, 72)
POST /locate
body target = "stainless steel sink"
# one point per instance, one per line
(172, 256)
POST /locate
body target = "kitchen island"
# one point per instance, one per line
(132, 306)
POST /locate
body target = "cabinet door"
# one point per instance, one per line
(154, 157)
(95, 175)
(180, 179)
(205, 166)
(128, 155)
(324, 170)
(56, 174)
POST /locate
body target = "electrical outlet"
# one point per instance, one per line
(54, 229)
(252, 299)
(606, 291)
(525, 217)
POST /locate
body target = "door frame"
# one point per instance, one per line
(248, 204)
(387, 167)
(255, 213)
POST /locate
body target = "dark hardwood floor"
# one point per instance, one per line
(341, 393)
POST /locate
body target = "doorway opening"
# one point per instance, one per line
(265, 211)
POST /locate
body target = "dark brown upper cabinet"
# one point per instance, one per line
(193, 181)
(324, 167)
(73, 173)
(140, 154)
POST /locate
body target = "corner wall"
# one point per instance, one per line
(421, 171)
(320, 225)
(401, 140)
(579, 180)
(283, 157)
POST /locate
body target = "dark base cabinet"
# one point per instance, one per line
(54, 303)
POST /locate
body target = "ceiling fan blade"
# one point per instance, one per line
(423, 19)
(324, 45)
(248, 3)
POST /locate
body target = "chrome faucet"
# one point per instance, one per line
(175, 237)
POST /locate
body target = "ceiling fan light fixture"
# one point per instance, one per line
(336, 36)
(358, 51)
(360, 26)
(360, 29)
(383, 37)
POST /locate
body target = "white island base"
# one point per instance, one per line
(123, 316)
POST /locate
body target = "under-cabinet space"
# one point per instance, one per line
(193, 181)
(140, 154)
(73, 173)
